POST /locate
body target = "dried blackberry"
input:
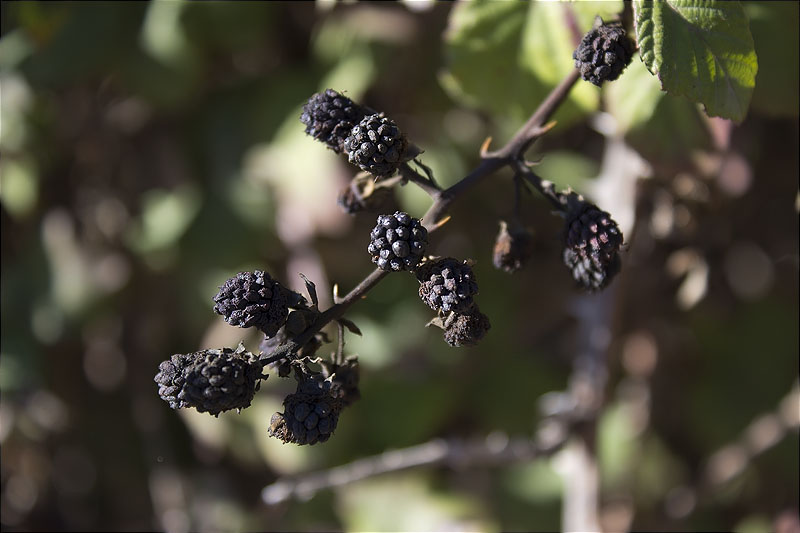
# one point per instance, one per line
(310, 414)
(447, 285)
(603, 53)
(329, 117)
(376, 145)
(468, 329)
(512, 248)
(592, 242)
(253, 299)
(211, 381)
(397, 242)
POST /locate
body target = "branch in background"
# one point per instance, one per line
(494, 449)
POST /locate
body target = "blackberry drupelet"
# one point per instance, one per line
(376, 145)
(397, 242)
(211, 381)
(592, 242)
(468, 329)
(329, 117)
(603, 53)
(253, 299)
(447, 285)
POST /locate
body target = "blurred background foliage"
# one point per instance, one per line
(151, 150)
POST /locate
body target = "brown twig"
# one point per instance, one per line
(496, 448)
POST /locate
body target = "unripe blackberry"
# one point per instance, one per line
(310, 414)
(468, 329)
(253, 299)
(591, 246)
(603, 53)
(211, 381)
(447, 285)
(511, 248)
(329, 117)
(376, 145)
(397, 242)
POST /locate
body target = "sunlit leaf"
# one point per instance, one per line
(703, 51)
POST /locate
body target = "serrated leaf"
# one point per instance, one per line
(701, 50)
(350, 325)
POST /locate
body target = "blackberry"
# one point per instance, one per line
(310, 414)
(468, 329)
(592, 242)
(253, 299)
(447, 285)
(329, 117)
(376, 145)
(511, 248)
(211, 381)
(397, 242)
(603, 53)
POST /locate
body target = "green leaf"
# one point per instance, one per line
(700, 50)
(504, 57)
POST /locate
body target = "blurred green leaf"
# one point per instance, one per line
(482, 58)
(165, 217)
(405, 502)
(703, 52)
(634, 97)
(535, 481)
(616, 445)
(19, 186)
(777, 39)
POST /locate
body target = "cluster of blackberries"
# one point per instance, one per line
(448, 286)
(311, 413)
(592, 241)
(397, 242)
(371, 141)
(603, 53)
(215, 381)
(211, 381)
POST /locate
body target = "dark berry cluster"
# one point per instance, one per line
(329, 117)
(211, 381)
(397, 242)
(311, 413)
(253, 299)
(447, 284)
(467, 329)
(603, 54)
(592, 242)
(376, 145)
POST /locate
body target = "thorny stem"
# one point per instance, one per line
(508, 155)
(546, 188)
